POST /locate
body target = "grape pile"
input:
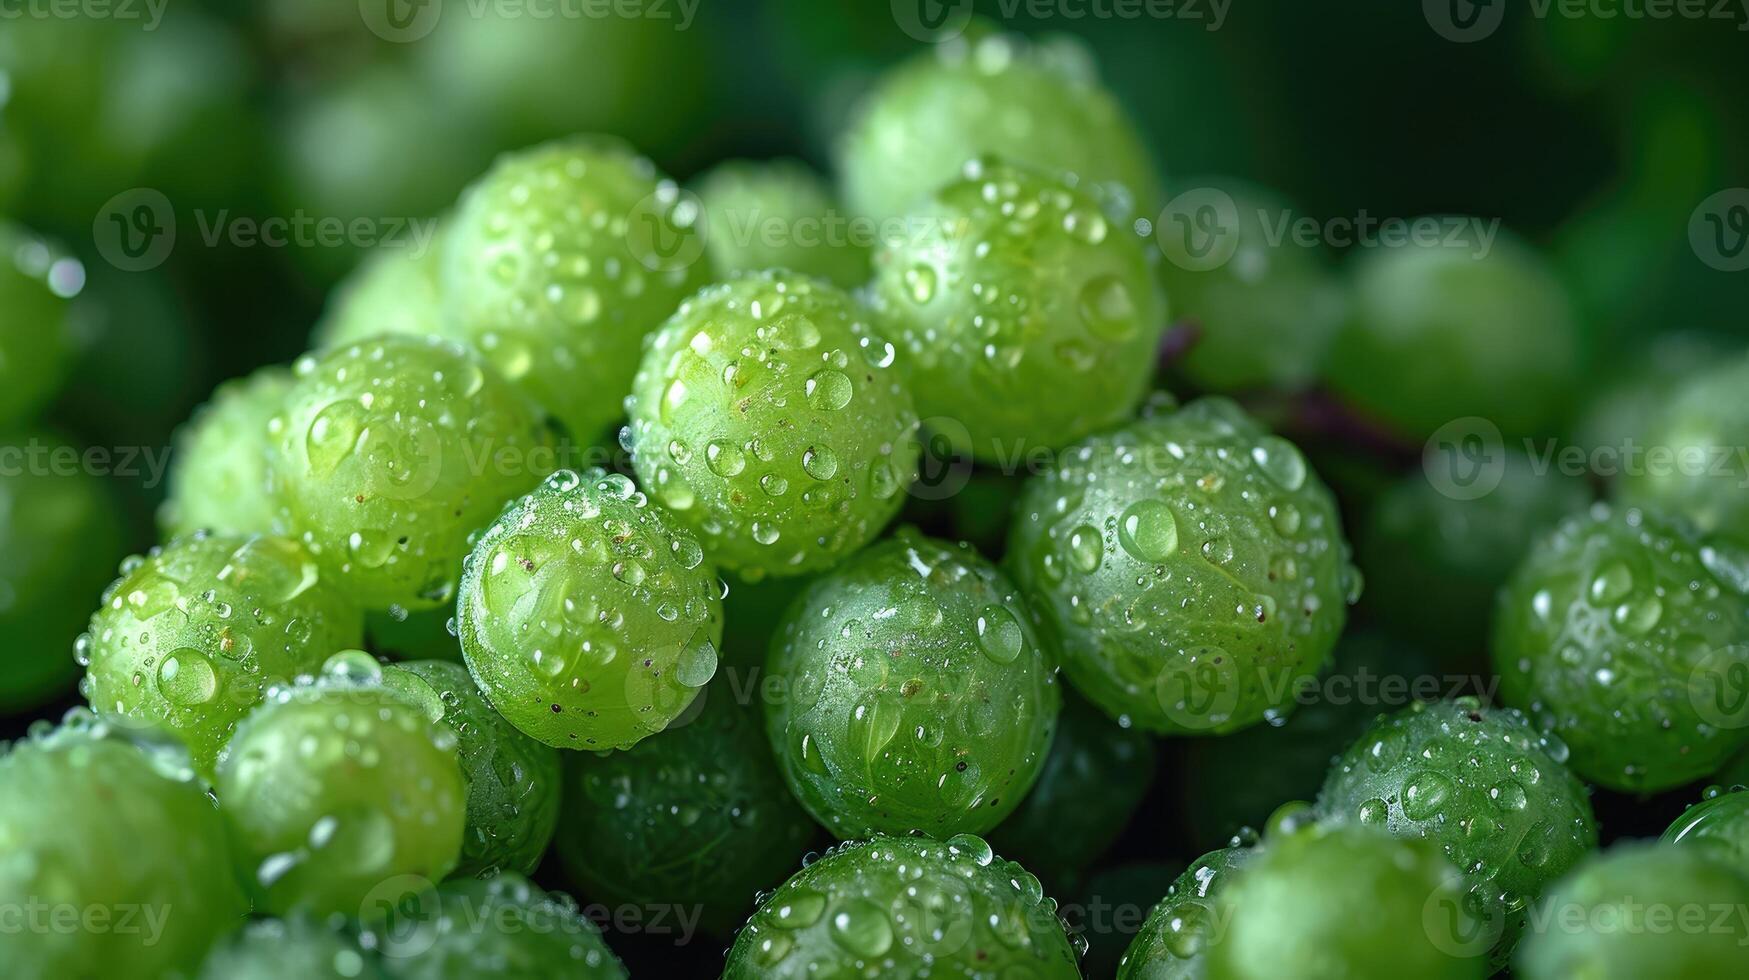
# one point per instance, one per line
(912, 548)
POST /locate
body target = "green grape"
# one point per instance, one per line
(193, 633)
(1173, 944)
(388, 453)
(559, 261)
(780, 215)
(115, 858)
(1014, 284)
(36, 345)
(299, 948)
(1702, 426)
(218, 472)
(1635, 391)
(342, 795)
(60, 537)
(1191, 565)
(1345, 903)
(905, 907)
(1267, 307)
(1641, 911)
(1443, 332)
(769, 420)
(1630, 640)
(1041, 105)
(1718, 825)
(1092, 781)
(513, 780)
(395, 290)
(420, 635)
(698, 819)
(1435, 561)
(1483, 785)
(586, 619)
(916, 694)
(1233, 782)
(500, 927)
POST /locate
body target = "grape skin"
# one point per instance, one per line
(1173, 943)
(905, 907)
(299, 948)
(917, 695)
(1190, 565)
(779, 214)
(218, 472)
(587, 619)
(503, 926)
(771, 421)
(1702, 423)
(394, 290)
(387, 453)
(341, 794)
(1015, 283)
(192, 634)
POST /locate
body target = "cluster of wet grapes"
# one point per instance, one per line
(580, 534)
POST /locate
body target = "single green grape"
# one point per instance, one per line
(1232, 783)
(770, 420)
(115, 858)
(1701, 426)
(1346, 903)
(905, 907)
(36, 343)
(1173, 943)
(780, 214)
(1630, 639)
(1191, 565)
(1718, 825)
(559, 261)
(916, 693)
(499, 927)
(1015, 283)
(586, 618)
(1634, 391)
(698, 819)
(513, 780)
(1443, 332)
(1483, 785)
(1093, 778)
(395, 290)
(218, 470)
(1640, 911)
(299, 948)
(418, 635)
(343, 796)
(1266, 305)
(388, 453)
(60, 538)
(192, 634)
(1041, 105)
(1435, 561)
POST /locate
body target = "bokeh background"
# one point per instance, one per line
(1595, 138)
